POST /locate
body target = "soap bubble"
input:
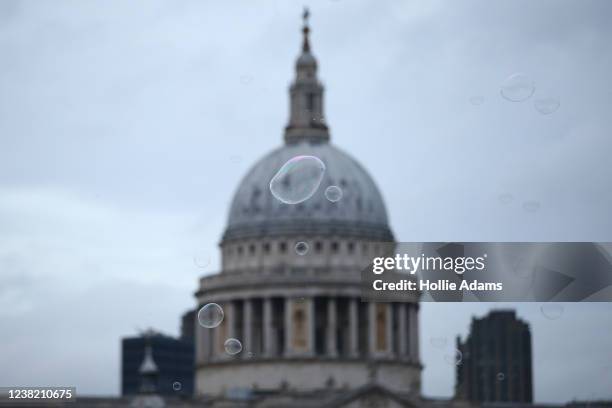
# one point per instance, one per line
(438, 342)
(547, 105)
(455, 358)
(531, 206)
(235, 159)
(176, 386)
(301, 248)
(333, 193)
(201, 260)
(501, 376)
(298, 179)
(210, 315)
(232, 346)
(522, 268)
(477, 100)
(517, 88)
(552, 311)
(246, 79)
(505, 198)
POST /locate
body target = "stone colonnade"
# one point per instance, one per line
(322, 326)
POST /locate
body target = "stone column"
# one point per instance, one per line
(247, 331)
(310, 322)
(416, 333)
(230, 317)
(402, 340)
(331, 330)
(202, 339)
(372, 328)
(268, 330)
(353, 328)
(288, 327)
(413, 332)
(389, 329)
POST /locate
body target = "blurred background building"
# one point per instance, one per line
(173, 359)
(496, 360)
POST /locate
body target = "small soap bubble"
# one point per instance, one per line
(501, 376)
(210, 315)
(201, 260)
(476, 100)
(454, 358)
(438, 342)
(333, 193)
(298, 179)
(521, 268)
(531, 206)
(552, 311)
(176, 386)
(517, 88)
(246, 79)
(547, 105)
(232, 346)
(301, 248)
(505, 198)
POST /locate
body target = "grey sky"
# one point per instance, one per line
(126, 126)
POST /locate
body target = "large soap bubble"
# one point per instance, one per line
(210, 315)
(298, 179)
(517, 88)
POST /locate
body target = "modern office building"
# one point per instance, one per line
(496, 361)
(188, 322)
(174, 360)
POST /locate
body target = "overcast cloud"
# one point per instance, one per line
(126, 126)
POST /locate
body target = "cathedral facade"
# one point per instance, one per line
(300, 317)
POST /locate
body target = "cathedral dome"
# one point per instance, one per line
(360, 212)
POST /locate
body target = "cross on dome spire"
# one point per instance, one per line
(306, 119)
(306, 30)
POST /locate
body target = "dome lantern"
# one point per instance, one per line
(306, 118)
